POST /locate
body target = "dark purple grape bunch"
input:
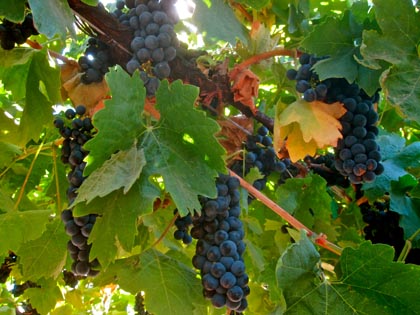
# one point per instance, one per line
(95, 62)
(220, 246)
(358, 154)
(307, 81)
(13, 33)
(79, 229)
(183, 225)
(6, 266)
(154, 39)
(259, 153)
(76, 134)
(382, 224)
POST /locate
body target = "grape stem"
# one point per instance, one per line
(57, 182)
(407, 247)
(242, 10)
(319, 239)
(166, 230)
(265, 55)
(25, 182)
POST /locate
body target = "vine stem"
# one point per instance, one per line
(25, 182)
(22, 157)
(242, 10)
(319, 239)
(265, 55)
(165, 231)
(57, 183)
(407, 247)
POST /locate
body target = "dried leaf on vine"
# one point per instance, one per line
(72, 87)
(308, 127)
(234, 132)
(245, 87)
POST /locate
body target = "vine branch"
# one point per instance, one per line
(265, 55)
(25, 182)
(319, 239)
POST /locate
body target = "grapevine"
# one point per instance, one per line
(230, 157)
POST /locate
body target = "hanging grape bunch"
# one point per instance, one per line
(357, 153)
(220, 246)
(12, 33)
(154, 39)
(75, 136)
(259, 153)
(95, 61)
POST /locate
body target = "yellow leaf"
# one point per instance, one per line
(296, 146)
(308, 126)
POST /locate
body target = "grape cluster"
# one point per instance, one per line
(383, 227)
(139, 307)
(357, 154)
(220, 246)
(95, 61)
(18, 289)
(182, 228)
(5, 267)
(154, 37)
(12, 33)
(307, 81)
(72, 153)
(260, 154)
(26, 309)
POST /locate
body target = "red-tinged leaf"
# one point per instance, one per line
(245, 87)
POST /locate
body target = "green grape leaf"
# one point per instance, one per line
(119, 123)
(45, 297)
(13, 10)
(175, 281)
(402, 87)
(48, 251)
(307, 199)
(9, 152)
(336, 38)
(116, 228)
(29, 76)
(121, 170)
(396, 159)
(363, 284)
(397, 41)
(184, 137)
(408, 207)
(6, 202)
(297, 263)
(8, 310)
(217, 21)
(52, 17)
(18, 227)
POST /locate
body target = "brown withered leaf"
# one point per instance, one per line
(72, 87)
(234, 132)
(245, 87)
